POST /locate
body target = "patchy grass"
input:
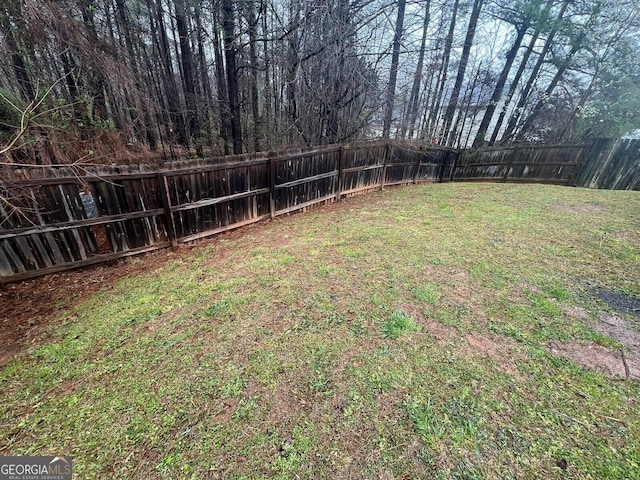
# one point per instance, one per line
(404, 334)
(397, 324)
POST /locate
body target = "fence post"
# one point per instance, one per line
(443, 163)
(454, 164)
(387, 155)
(340, 167)
(166, 205)
(573, 181)
(272, 186)
(415, 174)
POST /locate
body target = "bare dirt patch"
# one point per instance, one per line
(594, 357)
(624, 363)
(285, 407)
(626, 333)
(620, 329)
(389, 403)
(437, 330)
(27, 307)
(586, 209)
(433, 328)
(500, 351)
(461, 293)
(576, 312)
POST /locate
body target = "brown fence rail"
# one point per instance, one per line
(66, 219)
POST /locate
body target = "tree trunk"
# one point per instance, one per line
(535, 111)
(449, 136)
(520, 71)
(223, 96)
(461, 118)
(228, 26)
(19, 66)
(253, 75)
(203, 71)
(502, 79)
(524, 96)
(268, 115)
(393, 74)
(412, 109)
(292, 64)
(188, 78)
(96, 82)
(178, 130)
(435, 109)
(428, 99)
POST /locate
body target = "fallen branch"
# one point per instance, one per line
(577, 421)
(600, 414)
(25, 115)
(627, 372)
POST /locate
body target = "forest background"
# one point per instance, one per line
(109, 81)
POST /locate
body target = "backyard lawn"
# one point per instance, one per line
(433, 331)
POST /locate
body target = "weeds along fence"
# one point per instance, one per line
(62, 218)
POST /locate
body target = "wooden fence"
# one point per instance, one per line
(612, 164)
(70, 219)
(556, 164)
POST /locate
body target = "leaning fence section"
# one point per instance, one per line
(558, 164)
(62, 223)
(64, 218)
(612, 164)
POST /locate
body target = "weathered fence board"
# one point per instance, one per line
(79, 222)
(213, 199)
(612, 164)
(363, 168)
(305, 179)
(427, 164)
(70, 218)
(521, 163)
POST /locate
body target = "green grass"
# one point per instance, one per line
(402, 334)
(397, 324)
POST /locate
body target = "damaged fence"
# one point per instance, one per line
(62, 218)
